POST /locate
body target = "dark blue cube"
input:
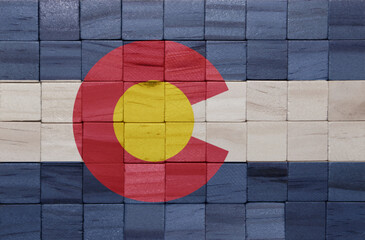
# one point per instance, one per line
(144, 221)
(20, 183)
(19, 60)
(103, 221)
(225, 20)
(346, 181)
(229, 57)
(267, 181)
(347, 60)
(307, 181)
(267, 60)
(19, 20)
(100, 19)
(62, 221)
(95, 192)
(225, 221)
(20, 222)
(93, 51)
(265, 221)
(61, 183)
(305, 221)
(60, 60)
(229, 184)
(266, 19)
(59, 20)
(308, 60)
(184, 19)
(185, 221)
(346, 19)
(307, 19)
(142, 20)
(345, 221)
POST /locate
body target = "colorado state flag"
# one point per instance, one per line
(182, 119)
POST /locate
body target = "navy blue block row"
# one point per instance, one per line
(235, 60)
(72, 183)
(271, 220)
(182, 19)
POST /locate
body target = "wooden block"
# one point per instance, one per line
(19, 60)
(265, 221)
(346, 141)
(21, 142)
(142, 20)
(308, 181)
(184, 19)
(58, 100)
(103, 221)
(20, 222)
(307, 19)
(62, 221)
(20, 101)
(267, 100)
(145, 182)
(59, 20)
(143, 220)
(346, 100)
(60, 60)
(229, 136)
(266, 141)
(229, 106)
(185, 221)
(20, 183)
(267, 59)
(307, 141)
(266, 19)
(305, 221)
(308, 60)
(229, 184)
(100, 19)
(307, 100)
(225, 221)
(267, 182)
(58, 143)
(346, 182)
(225, 20)
(19, 20)
(344, 220)
(61, 183)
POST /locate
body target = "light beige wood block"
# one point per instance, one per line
(231, 137)
(307, 141)
(200, 131)
(307, 100)
(346, 100)
(267, 100)
(58, 101)
(229, 106)
(20, 141)
(347, 141)
(20, 102)
(58, 143)
(266, 141)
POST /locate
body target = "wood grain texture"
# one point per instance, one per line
(307, 19)
(225, 20)
(100, 19)
(267, 182)
(59, 20)
(20, 101)
(307, 100)
(267, 100)
(20, 183)
(20, 141)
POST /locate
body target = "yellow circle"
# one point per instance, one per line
(153, 120)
